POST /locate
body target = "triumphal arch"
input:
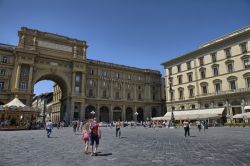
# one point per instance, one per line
(113, 91)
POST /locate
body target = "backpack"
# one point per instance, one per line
(94, 129)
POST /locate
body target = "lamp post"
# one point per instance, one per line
(136, 114)
(93, 113)
(171, 124)
(44, 107)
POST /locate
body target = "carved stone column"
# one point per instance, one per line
(30, 79)
(17, 76)
(73, 83)
(123, 113)
(83, 85)
(111, 114)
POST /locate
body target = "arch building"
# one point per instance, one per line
(112, 91)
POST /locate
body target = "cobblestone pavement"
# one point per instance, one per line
(140, 146)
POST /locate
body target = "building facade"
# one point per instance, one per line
(112, 91)
(215, 75)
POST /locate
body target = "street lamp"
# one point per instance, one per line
(136, 114)
(172, 120)
(93, 113)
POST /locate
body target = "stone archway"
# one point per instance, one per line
(88, 111)
(129, 114)
(104, 114)
(64, 84)
(117, 114)
(140, 116)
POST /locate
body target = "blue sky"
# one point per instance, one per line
(139, 33)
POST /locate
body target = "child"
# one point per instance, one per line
(85, 136)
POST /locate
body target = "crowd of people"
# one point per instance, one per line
(91, 131)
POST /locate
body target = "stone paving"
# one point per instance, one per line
(140, 146)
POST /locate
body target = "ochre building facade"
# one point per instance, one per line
(112, 91)
(215, 75)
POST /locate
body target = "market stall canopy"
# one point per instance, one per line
(15, 103)
(247, 107)
(193, 114)
(242, 116)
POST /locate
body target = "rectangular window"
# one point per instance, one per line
(91, 72)
(117, 75)
(217, 87)
(170, 71)
(188, 65)
(180, 79)
(77, 89)
(232, 85)
(203, 75)
(248, 82)
(228, 52)
(91, 93)
(191, 92)
(78, 78)
(5, 59)
(179, 68)
(24, 72)
(104, 73)
(204, 89)
(128, 95)
(230, 68)
(117, 95)
(1, 85)
(246, 63)
(243, 47)
(213, 56)
(139, 96)
(129, 77)
(201, 59)
(181, 94)
(2, 72)
(190, 77)
(216, 72)
(23, 85)
(104, 93)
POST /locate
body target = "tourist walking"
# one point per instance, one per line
(186, 128)
(95, 135)
(74, 123)
(86, 135)
(199, 125)
(49, 127)
(118, 126)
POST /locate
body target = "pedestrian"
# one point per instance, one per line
(205, 125)
(49, 127)
(118, 126)
(81, 125)
(74, 123)
(86, 135)
(95, 135)
(78, 125)
(186, 128)
(199, 125)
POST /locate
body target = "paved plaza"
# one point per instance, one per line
(140, 146)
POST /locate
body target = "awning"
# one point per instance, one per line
(193, 114)
(247, 107)
(242, 116)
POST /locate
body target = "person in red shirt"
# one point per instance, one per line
(95, 135)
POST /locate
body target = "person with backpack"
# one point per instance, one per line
(49, 127)
(95, 135)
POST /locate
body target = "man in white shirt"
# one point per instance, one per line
(49, 127)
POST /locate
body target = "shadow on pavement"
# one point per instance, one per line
(103, 154)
